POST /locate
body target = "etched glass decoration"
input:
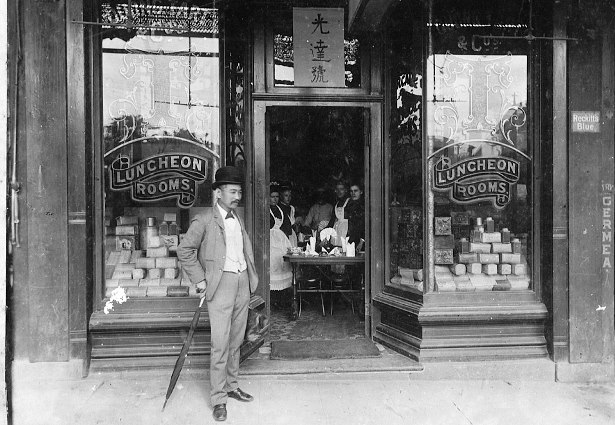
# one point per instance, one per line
(479, 160)
(235, 118)
(161, 139)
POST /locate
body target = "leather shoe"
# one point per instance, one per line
(219, 412)
(240, 395)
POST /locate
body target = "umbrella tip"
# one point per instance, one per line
(165, 404)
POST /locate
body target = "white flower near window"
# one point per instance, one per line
(118, 295)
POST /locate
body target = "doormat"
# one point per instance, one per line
(323, 349)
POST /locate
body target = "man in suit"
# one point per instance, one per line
(216, 254)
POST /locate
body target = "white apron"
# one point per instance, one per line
(280, 272)
(341, 224)
(293, 236)
(341, 228)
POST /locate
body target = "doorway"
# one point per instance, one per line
(316, 175)
(309, 146)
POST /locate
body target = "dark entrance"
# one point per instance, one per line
(318, 154)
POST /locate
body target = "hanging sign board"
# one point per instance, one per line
(318, 43)
(585, 121)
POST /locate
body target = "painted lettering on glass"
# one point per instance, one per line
(607, 229)
(159, 177)
(477, 179)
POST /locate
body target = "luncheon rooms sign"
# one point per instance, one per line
(164, 176)
(477, 179)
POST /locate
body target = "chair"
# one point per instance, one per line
(340, 281)
(310, 282)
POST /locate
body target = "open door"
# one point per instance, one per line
(313, 162)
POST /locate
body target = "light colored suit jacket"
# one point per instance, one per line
(201, 252)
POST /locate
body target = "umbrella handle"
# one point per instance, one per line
(202, 301)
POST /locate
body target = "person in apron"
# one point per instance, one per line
(280, 273)
(289, 215)
(340, 220)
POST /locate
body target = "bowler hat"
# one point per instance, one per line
(227, 175)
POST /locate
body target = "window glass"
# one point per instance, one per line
(405, 150)
(161, 135)
(480, 159)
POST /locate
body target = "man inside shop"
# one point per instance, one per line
(320, 213)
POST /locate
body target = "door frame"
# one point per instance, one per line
(374, 196)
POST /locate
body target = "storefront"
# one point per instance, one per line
(459, 125)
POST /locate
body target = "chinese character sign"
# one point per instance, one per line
(318, 38)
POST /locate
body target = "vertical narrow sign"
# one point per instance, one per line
(607, 228)
(318, 43)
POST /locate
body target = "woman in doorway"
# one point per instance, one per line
(355, 211)
(339, 221)
(288, 225)
(280, 274)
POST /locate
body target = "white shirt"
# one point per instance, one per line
(234, 261)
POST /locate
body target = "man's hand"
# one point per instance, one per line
(201, 287)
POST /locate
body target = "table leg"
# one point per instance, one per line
(294, 312)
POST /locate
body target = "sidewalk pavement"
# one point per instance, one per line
(389, 398)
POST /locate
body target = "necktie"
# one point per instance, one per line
(229, 215)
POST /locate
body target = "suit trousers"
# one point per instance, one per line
(228, 315)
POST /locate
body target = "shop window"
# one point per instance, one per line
(479, 155)
(459, 151)
(405, 242)
(161, 139)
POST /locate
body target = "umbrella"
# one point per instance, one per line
(183, 353)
